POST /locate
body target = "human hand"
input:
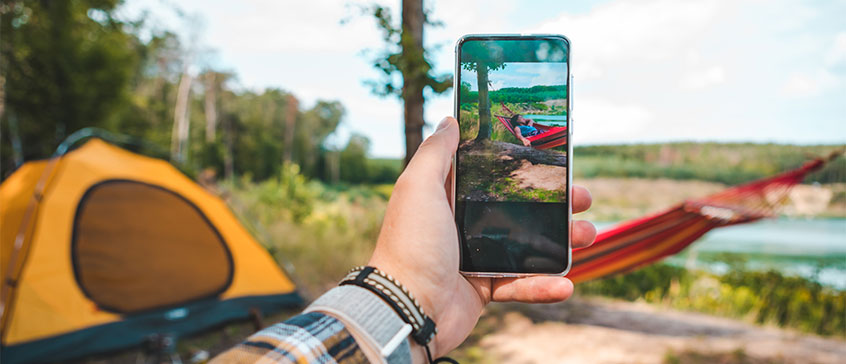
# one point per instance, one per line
(526, 142)
(418, 245)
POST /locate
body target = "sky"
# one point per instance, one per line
(644, 70)
(520, 75)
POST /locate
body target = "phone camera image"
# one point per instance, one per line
(512, 184)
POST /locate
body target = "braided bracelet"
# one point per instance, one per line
(402, 301)
(398, 297)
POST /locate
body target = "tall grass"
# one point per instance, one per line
(315, 231)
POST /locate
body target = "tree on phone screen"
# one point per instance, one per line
(476, 57)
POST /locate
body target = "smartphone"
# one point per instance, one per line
(512, 170)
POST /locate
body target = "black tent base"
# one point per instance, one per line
(137, 329)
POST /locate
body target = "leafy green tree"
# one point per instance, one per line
(353, 160)
(313, 127)
(65, 65)
(406, 56)
(148, 114)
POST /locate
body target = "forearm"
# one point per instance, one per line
(347, 324)
(374, 324)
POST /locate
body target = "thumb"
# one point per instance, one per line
(433, 159)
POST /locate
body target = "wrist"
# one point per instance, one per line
(426, 303)
(418, 352)
(399, 298)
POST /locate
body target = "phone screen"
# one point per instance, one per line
(512, 183)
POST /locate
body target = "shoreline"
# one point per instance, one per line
(618, 199)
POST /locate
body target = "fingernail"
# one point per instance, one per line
(444, 123)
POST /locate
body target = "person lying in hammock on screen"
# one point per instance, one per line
(524, 128)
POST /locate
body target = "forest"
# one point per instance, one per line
(515, 94)
(69, 65)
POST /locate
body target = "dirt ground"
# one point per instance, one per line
(597, 330)
(540, 176)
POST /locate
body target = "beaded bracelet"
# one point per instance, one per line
(398, 297)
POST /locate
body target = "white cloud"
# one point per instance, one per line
(619, 32)
(699, 79)
(315, 25)
(822, 79)
(601, 120)
(836, 55)
(497, 84)
(807, 85)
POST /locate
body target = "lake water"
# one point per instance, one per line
(811, 248)
(549, 120)
(546, 117)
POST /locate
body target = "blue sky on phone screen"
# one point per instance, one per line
(645, 70)
(522, 75)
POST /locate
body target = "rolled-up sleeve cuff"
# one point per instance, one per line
(367, 315)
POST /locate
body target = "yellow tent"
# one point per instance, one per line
(101, 248)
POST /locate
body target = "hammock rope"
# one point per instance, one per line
(642, 241)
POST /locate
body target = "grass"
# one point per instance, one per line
(315, 231)
(508, 190)
(738, 356)
(762, 297)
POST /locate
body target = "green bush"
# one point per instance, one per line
(763, 297)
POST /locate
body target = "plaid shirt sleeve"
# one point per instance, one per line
(308, 338)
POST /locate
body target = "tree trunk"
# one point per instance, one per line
(211, 107)
(484, 102)
(12, 121)
(510, 151)
(334, 159)
(181, 126)
(15, 138)
(228, 155)
(412, 88)
(290, 123)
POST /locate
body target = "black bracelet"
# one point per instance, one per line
(398, 297)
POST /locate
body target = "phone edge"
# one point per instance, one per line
(453, 170)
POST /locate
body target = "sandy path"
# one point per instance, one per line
(541, 176)
(604, 331)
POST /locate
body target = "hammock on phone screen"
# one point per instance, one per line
(640, 242)
(547, 136)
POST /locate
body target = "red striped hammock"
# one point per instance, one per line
(640, 242)
(547, 136)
